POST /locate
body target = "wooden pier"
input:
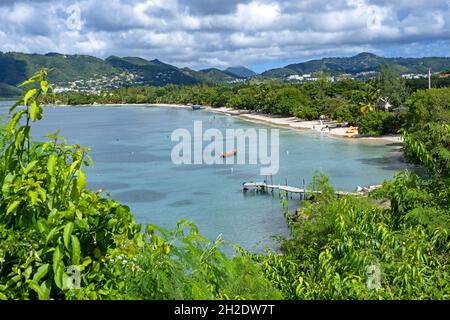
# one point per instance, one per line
(264, 187)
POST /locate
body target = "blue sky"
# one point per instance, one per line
(260, 34)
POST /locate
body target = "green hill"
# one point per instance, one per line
(152, 72)
(279, 73)
(211, 76)
(87, 73)
(16, 67)
(240, 72)
(9, 91)
(217, 75)
(363, 62)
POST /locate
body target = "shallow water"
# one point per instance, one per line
(131, 149)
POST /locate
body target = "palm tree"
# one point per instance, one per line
(371, 98)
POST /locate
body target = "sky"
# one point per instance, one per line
(260, 34)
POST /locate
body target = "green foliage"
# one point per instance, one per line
(336, 242)
(195, 269)
(371, 97)
(391, 86)
(377, 123)
(53, 229)
(422, 83)
(425, 106)
(345, 113)
(427, 130)
(48, 220)
(402, 230)
(308, 101)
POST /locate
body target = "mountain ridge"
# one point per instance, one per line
(82, 72)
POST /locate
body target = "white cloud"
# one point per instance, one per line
(200, 33)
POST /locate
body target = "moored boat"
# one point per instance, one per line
(231, 153)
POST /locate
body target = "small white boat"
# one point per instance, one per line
(231, 153)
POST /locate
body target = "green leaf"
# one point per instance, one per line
(67, 233)
(57, 258)
(76, 250)
(13, 207)
(53, 136)
(42, 226)
(7, 183)
(33, 197)
(15, 105)
(41, 272)
(52, 234)
(59, 276)
(29, 81)
(30, 166)
(12, 124)
(44, 86)
(75, 164)
(112, 222)
(58, 267)
(44, 291)
(51, 165)
(35, 111)
(87, 261)
(41, 193)
(81, 180)
(30, 94)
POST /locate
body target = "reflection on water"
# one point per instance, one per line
(131, 152)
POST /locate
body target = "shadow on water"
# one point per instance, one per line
(140, 195)
(180, 203)
(200, 193)
(107, 186)
(394, 160)
(235, 175)
(127, 157)
(395, 144)
(189, 167)
(109, 170)
(120, 148)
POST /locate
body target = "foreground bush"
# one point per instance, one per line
(59, 240)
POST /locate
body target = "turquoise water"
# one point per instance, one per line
(131, 149)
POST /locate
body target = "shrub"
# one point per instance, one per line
(195, 269)
(49, 221)
(377, 123)
(54, 231)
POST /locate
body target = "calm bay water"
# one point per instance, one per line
(131, 149)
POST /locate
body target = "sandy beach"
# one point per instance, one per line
(330, 128)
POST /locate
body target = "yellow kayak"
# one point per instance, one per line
(352, 130)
